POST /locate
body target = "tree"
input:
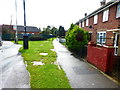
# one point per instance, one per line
(61, 31)
(54, 31)
(39, 29)
(46, 31)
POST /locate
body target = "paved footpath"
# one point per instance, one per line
(79, 73)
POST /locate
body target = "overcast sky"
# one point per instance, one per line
(42, 13)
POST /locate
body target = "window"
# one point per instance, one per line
(95, 19)
(83, 24)
(80, 24)
(105, 15)
(116, 43)
(87, 22)
(101, 38)
(118, 11)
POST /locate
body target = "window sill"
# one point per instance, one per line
(117, 17)
(95, 23)
(105, 21)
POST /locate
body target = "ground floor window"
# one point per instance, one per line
(116, 43)
(101, 38)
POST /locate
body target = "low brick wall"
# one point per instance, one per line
(101, 57)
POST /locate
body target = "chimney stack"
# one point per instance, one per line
(103, 2)
(85, 14)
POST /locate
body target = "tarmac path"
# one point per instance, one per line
(13, 73)
(79, 73)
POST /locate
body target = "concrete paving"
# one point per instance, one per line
(79, 73)
(13, 71)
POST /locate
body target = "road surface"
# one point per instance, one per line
(13, 73)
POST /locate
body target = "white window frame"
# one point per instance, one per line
(115, 44)
(99, 35)
(87, 22)
(82, 23)
(118, 11)
(95, 19)
(105, 15)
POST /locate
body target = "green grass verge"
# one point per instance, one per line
(43, 76)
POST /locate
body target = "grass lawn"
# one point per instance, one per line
(47, 75)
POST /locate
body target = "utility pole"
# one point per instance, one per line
(16, 33)
(25, 37)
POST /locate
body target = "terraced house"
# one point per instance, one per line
(103, 26)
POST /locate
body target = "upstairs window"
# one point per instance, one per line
(95, 19)
(118, 11)
(101, 38)
(105, 15)
(87, 22)
(83, 24)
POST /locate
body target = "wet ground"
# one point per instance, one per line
(13, 71)
(79, 73)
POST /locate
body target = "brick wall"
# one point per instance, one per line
(101, 57)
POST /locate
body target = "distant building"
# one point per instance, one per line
(8, 31)
(29, 30)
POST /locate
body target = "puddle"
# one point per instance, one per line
(37, 63)
(52, 49)
(44, 54)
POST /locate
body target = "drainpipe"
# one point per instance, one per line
(119, 44)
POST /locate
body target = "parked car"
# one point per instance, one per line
(0, 41)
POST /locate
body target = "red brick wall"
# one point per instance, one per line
(110, 38)
(101, 57)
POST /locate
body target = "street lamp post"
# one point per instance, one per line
(25, 36)
(16, 33)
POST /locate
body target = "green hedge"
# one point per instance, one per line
(76, 38)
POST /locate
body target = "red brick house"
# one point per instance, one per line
(29, 29)
(104, 27)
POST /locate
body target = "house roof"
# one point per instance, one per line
(28, 29)
(100, 9)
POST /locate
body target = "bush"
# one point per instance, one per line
(76, 38)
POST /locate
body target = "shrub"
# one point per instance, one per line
(76, 38)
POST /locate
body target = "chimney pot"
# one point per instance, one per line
(103, 2)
